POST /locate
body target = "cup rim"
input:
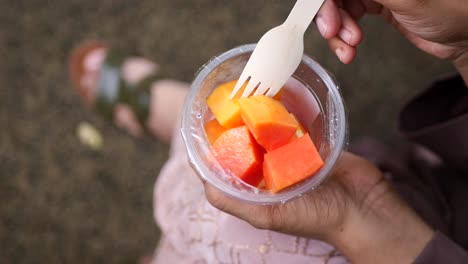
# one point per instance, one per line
(281, 197)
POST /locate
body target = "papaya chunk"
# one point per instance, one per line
(225, 109)
(213, 130)
(236, 150)
(291, 164)
(268, 120)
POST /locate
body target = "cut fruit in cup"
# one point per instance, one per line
(268, 148)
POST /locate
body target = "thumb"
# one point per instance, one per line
(260, 216)
(328, 19)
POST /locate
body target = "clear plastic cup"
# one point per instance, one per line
(311, 94)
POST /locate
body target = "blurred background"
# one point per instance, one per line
(60, 201)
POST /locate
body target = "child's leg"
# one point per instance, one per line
(167, 100)
(166, 96)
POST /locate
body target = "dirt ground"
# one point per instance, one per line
(61, 202)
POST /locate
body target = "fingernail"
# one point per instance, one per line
(340, 53)
(322, 26)
(346, 35)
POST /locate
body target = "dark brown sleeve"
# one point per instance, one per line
(438, 119)
(442, 250)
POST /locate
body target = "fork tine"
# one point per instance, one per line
(262, 88)
(242, 79)
(273, 90)
(253, 82)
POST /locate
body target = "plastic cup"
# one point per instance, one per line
(311, 94)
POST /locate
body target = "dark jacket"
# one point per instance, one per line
(435, 182)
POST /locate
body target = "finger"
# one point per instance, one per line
(349, 162)
(372, 7)
(346, 162)
(328, 19)
(343, 51)
(249, 212)
(356, 9)
(357, 175)
(350, 31)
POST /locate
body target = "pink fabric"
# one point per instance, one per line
(193, 231)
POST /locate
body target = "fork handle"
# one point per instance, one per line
(303, 13)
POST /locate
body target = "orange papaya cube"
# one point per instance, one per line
(225, 109)
(291, 164)
(213, 130)
(239, 154)
(300, 128)
(268, 120)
